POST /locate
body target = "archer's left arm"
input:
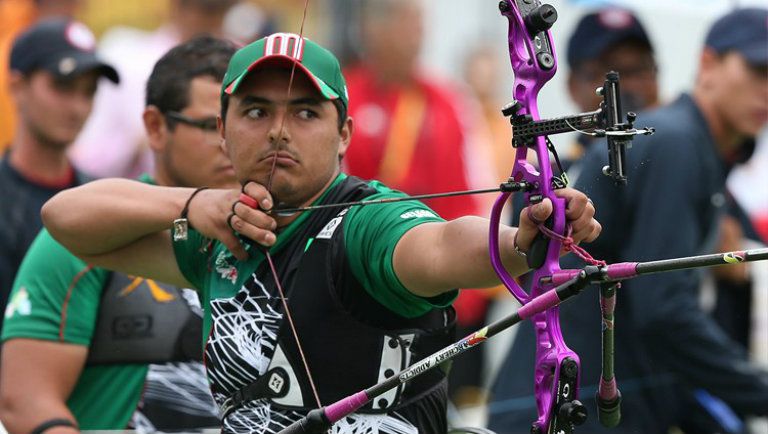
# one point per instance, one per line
(434, 258)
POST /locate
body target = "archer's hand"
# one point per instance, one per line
(579, 212)
(223, 214)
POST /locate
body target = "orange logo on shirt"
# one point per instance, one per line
(159, 294)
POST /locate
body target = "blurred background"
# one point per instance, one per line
(457, 34)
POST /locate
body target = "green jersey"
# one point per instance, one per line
(56, 298)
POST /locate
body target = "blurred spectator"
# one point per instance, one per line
(53, 77)
(749, 184)
(733, 284)
(95, 333)
(610, 40)
(481, 73)
(15, 16)
(113, 142)
(413, 134)
(667, 349)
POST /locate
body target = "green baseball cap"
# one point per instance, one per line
(319, 64)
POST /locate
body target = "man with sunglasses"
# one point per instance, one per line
(75, 334)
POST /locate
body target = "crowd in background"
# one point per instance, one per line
(417, 130)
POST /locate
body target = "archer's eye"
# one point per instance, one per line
(306, 114)
(255, 113)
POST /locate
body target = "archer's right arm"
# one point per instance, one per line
(124, 225)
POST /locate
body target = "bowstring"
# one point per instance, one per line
(266, 250)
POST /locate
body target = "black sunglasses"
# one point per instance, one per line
(206, 124)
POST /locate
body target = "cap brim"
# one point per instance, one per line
(756, 55)
(84, 62)
(280, 60)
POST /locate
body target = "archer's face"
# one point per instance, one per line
(263, 120)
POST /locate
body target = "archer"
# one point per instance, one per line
(289, 295)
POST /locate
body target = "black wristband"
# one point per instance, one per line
(181, 224)
(185, 211)
(50, 423)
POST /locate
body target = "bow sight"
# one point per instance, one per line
(603, 122)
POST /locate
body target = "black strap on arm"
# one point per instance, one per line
(50, 423)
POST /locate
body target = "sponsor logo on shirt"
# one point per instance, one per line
(417, 213)
(331, 226)
(19, 304)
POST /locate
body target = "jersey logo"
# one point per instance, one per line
(284, 44)
(19, 303)
(159, 294)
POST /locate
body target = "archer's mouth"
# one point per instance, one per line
(283, 159)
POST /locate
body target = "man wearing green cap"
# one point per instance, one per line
(367, 289)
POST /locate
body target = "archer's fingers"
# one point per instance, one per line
(259, 195)
(265, 237)
(254, 216)
(584, 222)
(577, 203)
(528, 228)
(588, 233)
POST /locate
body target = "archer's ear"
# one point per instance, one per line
(221, 127)
(156, 128)
(346, 136)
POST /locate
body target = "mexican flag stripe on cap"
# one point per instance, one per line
(283, 43)
(310, 58)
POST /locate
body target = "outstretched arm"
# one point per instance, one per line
(433, 258)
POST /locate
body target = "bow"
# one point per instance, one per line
(556, 376)
(557, 367)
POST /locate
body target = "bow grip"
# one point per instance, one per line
(537, 253)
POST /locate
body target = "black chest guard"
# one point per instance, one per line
(349, 339)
